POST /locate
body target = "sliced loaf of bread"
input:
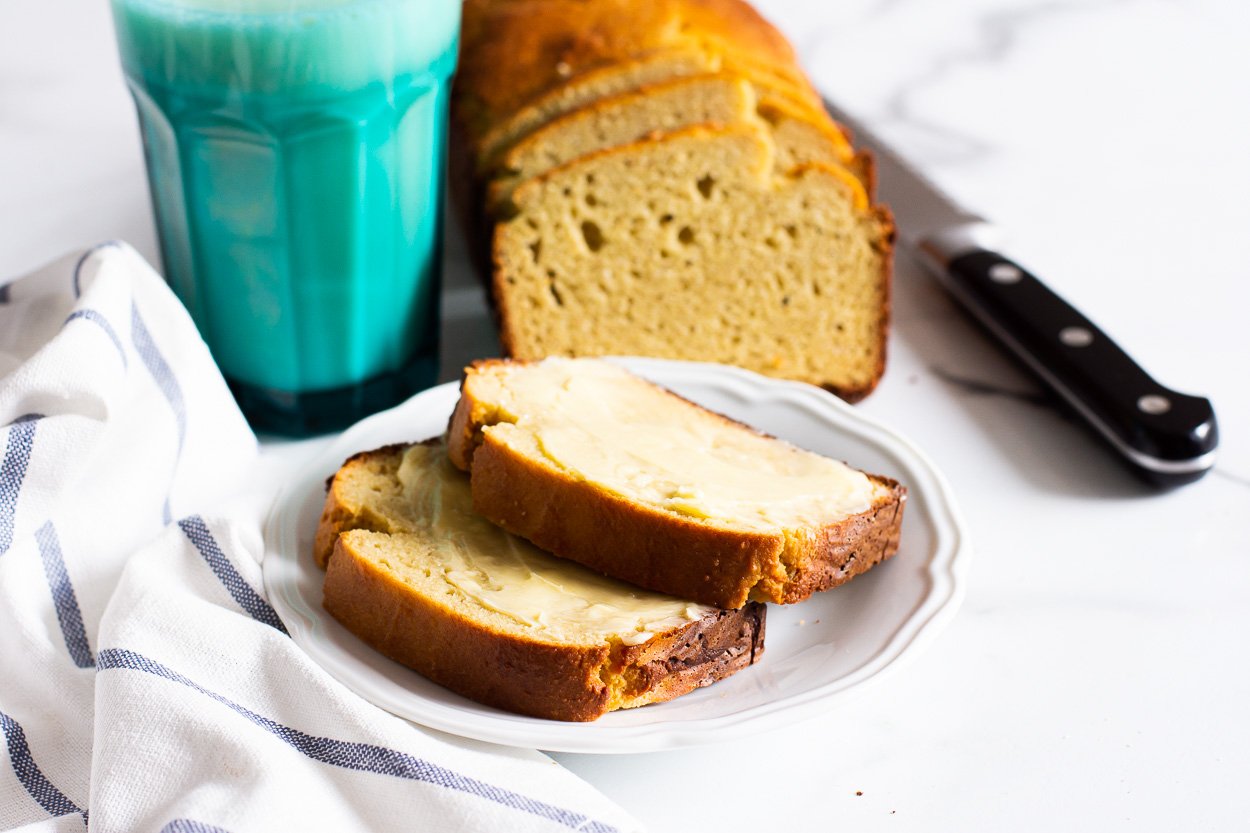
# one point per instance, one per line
(635, 75)
(576, 48)
(585, 173)
(415, 573)
(718, 99)
(690, 246)
(714, 98)
(599, 466)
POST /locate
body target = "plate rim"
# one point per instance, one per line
(945, 570)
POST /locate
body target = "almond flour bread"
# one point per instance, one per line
(689, 246)
(598, 466)
(418, 575)
(718, 99)
(515, 53)
(592, 137)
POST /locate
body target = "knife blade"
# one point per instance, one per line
(1166, 437)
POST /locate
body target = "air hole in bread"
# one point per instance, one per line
(591, 200)
(685, 236)
(593, 235)
(705, 185)
(666, 219)
(792, 230)
(555, 294)
(536, 249)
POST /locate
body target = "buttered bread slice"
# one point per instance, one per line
(601, 467)
(417, 574)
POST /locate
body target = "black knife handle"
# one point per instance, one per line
(1168, 437)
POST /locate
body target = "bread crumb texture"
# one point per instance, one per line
(601, 467)
(690, 247)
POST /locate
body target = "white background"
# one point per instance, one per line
(1097, 676)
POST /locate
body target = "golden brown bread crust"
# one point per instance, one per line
(648, 547)
(660, 550)
(671, 554)
(885, 247)
(544, 43)
(454, 651)
(697, 655)
(558, 682)
(543, 53)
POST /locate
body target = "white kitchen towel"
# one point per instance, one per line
(145, 682)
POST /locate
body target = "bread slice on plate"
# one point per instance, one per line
(599, 466)
(691, 246)
(415, 573)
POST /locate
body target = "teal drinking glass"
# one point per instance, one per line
(295, 153)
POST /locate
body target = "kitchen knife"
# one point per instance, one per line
(1167, 437)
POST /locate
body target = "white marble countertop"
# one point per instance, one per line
(1096, 677)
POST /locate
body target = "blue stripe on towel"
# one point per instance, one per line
(17, 451)
(63, 597)
(364, 757)
(28, 772)
(76, 278)
(164, 376)
(98, 319)
(191, 826)
(197, 532)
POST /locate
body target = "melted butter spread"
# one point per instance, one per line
(607, 427)
(510, 576)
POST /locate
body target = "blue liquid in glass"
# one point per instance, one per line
(295, 154)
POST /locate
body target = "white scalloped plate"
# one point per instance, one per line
(816, 653)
